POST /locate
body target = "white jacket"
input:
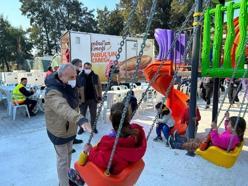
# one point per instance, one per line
(167, 119)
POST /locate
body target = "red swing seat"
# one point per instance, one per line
(94, 176)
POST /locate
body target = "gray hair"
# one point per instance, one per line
(64, 67)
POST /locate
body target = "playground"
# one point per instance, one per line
(32, 155)
(34, 159)
(161, 75)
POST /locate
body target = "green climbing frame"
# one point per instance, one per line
(213, 68)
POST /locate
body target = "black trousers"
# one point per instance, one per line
(208, 92)
(30, 103)
(231, 93)
(92, 105)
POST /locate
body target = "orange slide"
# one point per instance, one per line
(176, 100)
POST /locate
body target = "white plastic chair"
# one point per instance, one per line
(133, 85)
(123, 87)
(14, 106)
(107, 105)
(114, 88)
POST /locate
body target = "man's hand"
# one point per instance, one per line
(87, 127)
(87, 148)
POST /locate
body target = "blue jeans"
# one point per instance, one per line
(161, 127)
(179, 141)
(166, 131)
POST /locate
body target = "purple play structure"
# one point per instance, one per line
(164, 38)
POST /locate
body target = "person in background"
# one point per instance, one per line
(233, 92)
(114, 67)
(49, 71)
(185, 117)
(165, 122)
(208, 86)
(90, 93)
(132, 102)
(20, 96)
(63, 117)
(78, 64)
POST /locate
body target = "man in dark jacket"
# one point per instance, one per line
(20, 96)
(90, 92)
(208, 86)
(78, 64)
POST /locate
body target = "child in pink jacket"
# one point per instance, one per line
(223, 139)
(220, 140)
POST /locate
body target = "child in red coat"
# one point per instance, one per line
(131, 145)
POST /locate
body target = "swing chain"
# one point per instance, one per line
(189, 42)
(125, 34)
(236, 93)
(246, 107)
(228, 89)
(134, 78)
(236, 122)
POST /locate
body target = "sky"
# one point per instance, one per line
(11, 10)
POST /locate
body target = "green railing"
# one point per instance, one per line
(213, 68)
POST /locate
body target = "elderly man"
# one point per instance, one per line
(62, 116)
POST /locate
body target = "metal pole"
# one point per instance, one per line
(194, 71)
(216, 87)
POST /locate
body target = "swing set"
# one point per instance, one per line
(235, 51)
(161, 76)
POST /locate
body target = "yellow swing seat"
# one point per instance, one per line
(220, 157)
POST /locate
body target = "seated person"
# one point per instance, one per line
(131, 145)
(20, 94)
(165, 122)
(215, 138)
(185, 116)
(133, 102)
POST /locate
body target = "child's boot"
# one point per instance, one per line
(158, 138)
(75, 177)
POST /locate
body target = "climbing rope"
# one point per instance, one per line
(134, 79)
(125, 34)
